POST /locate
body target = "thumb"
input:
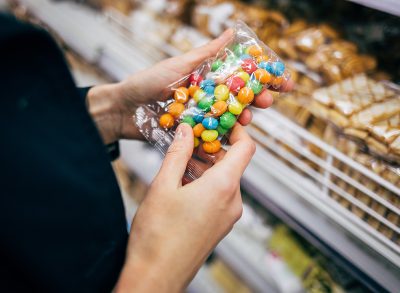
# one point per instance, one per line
(177, 157)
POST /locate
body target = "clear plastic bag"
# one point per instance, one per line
(212, 97)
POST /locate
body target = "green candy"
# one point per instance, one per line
(238, 50)
(189, 120)
(221, 130)
(231, 59)
(216, 64)
(227, 120)
(255, 85)
(206, 103)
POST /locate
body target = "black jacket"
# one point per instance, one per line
(62, 221)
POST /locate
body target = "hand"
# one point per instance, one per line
(113, 106)
(176, 227)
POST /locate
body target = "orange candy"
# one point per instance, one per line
(255, 50)
(193, 89)
(181, 95)
(198, 130)
(277, 82)
(262, 58)
(262, 75)
(167, 120)
(245, 96)
(176, 109)
(212, 147)
(219, 108)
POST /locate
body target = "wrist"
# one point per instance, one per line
(103, 105)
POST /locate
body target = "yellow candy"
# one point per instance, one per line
(221, 92)
(198, 95)
(196, 142)
(243, 75)
(235, 107)
(209, 135)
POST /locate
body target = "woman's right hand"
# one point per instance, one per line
(176, 227)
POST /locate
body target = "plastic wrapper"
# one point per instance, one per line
(366, 111)
(212, 97)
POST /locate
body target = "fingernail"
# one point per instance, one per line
(180, 132)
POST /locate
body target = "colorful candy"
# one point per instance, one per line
(227, 120)
(212, 147)
(235, 83)
(198, 130)
(219, 108)
(214, 100)
(245, 96)
(176, 109)
(210, 123)
(221, 92)
(209, 135)
(181, 95)
(167, 120)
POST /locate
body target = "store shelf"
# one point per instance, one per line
(371, 256)
(388, 6)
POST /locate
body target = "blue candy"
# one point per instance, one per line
(210, 123)
(198, 115)
(245, 56)
(278, 68)
(207, 82)
(209, 89)
(267, 66)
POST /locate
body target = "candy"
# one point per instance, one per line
(209, 89)
(212, 147)
(198, 129)
(277, 82)
(278, 68)
(262, 58)
(207, 82)
(249, 65)
(243, 75)
(210, 123)
(176, 109)
(255, 85)
(254, 50)
(227, 120)
(232, 59)
(209, 135)
(196, 142)
(238, 49)
(195, 78)
(221, 92)
(189, 120)
(193, 89)
(216, 64)
(181, 95)
(245, 96)
(199, 95)
(221, 130)
(235, 108)
(167, 120)
(219, 108)
(235, 83)
(262, 75)
(206, 103)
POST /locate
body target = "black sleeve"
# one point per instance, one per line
(62, 221)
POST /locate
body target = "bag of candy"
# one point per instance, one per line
(212, 97)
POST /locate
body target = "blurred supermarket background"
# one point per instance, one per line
(322, 195)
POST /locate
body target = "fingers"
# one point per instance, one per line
(210, 49)
(237, 157)
(177, 157)
(245, 117)
(263, 100)
(287, 86)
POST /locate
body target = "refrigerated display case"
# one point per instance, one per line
(305, 171)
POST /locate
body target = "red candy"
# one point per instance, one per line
(249, 65)
(235, 83)
(195, 78)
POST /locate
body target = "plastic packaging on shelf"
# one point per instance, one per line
(366, 111)
(212, 97)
